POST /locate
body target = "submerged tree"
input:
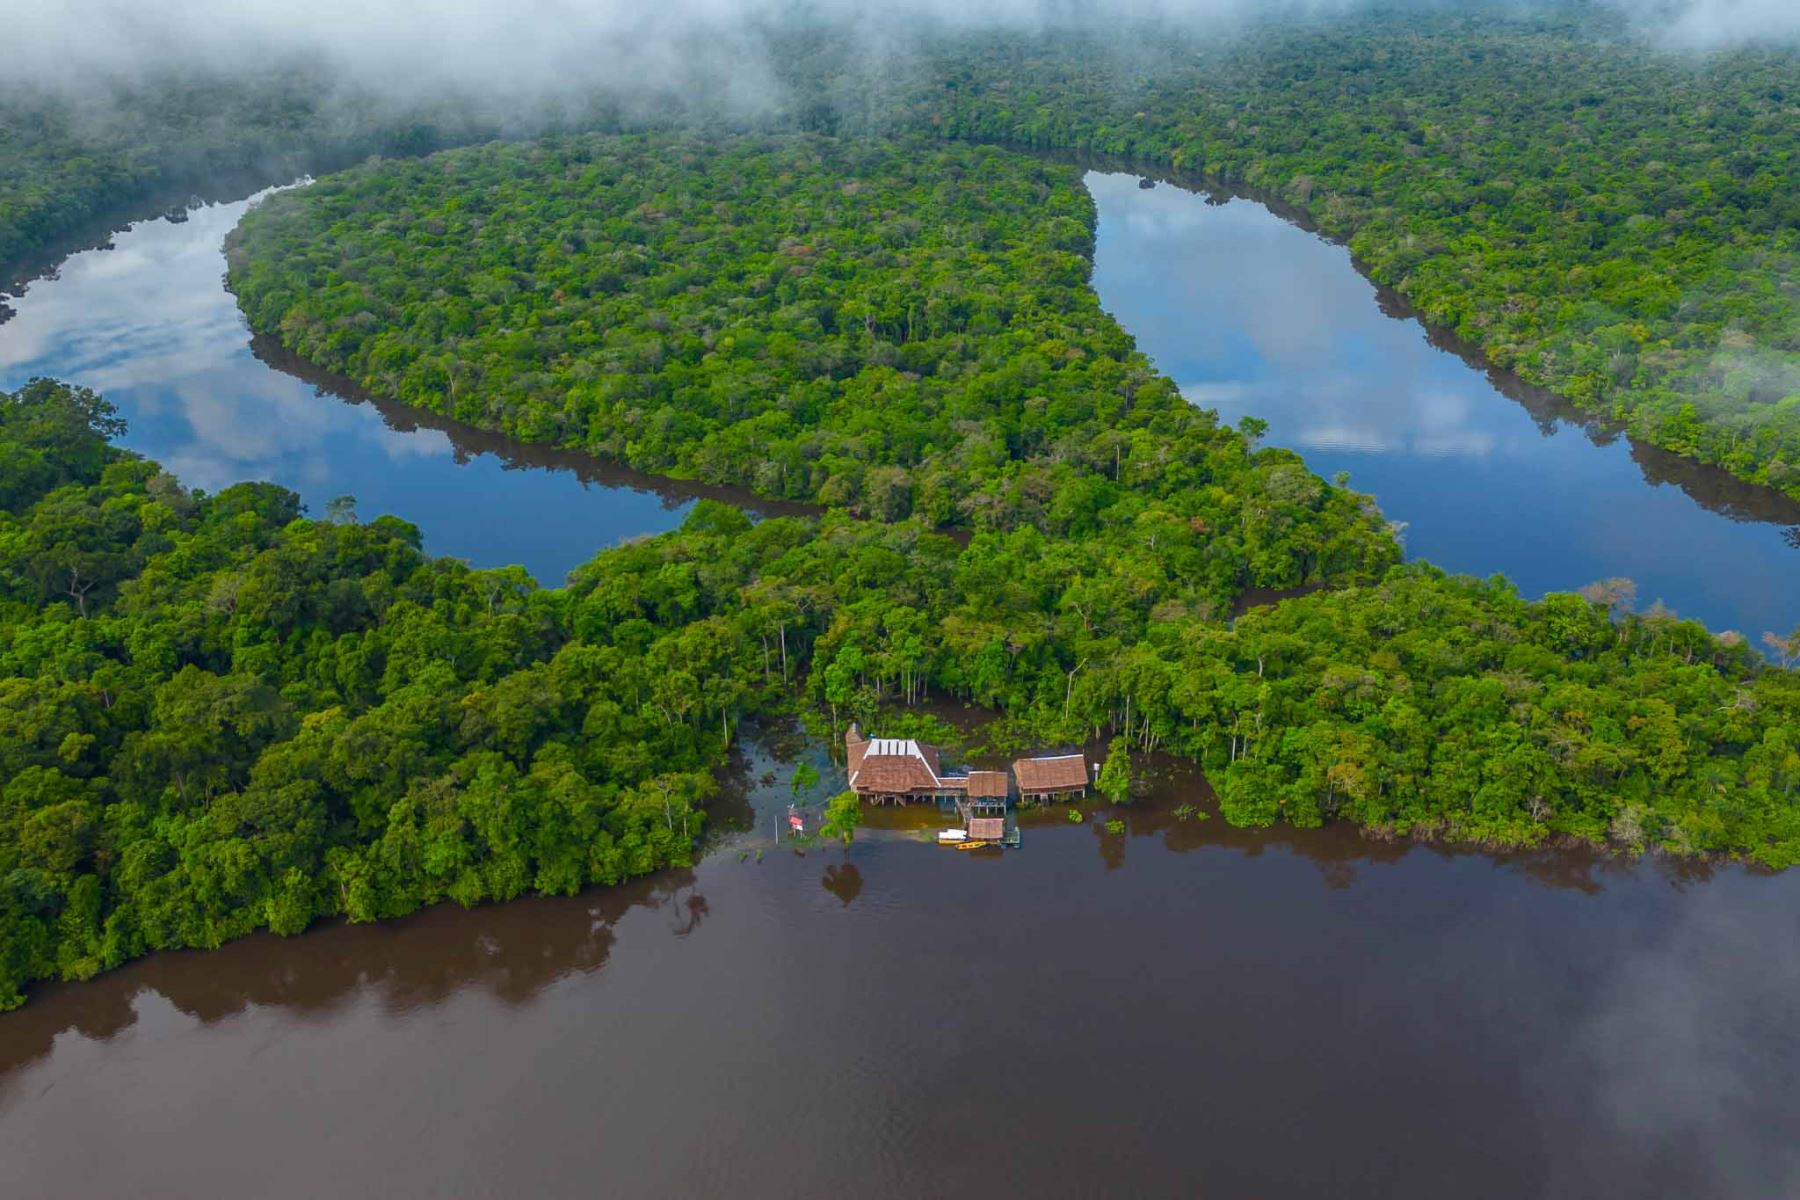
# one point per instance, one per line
(1114, 781)
(843, 813)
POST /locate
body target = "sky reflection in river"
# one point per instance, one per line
(1253, 316)
(1249, 314)
(149, 324)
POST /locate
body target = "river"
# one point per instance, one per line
(150, 325)
(1170, 1007)
(1174, 1009)
(1254, 317)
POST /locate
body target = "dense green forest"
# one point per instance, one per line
(1611, 222)
(1615, 223)
(219, 716)
(216, 717)
(891, 327)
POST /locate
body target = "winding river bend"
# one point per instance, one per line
(1169, 1007)
(1254, 317)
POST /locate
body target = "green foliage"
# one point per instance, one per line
(216, 718)
(1610, 221)
(1418, 704)
(843, 813)
(894, 328)
(1114, 780)
(264, 720)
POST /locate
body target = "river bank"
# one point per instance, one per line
(844, 1021)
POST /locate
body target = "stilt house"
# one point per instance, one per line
(898, 770)
(1058, 777)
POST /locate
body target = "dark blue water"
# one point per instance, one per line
(150, 325)
(1254, 316)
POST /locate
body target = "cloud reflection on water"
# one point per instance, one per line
(149, 324)
(1256, 317)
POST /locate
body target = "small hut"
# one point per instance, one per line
(989, 785)
(984, 808)
(1057, 777)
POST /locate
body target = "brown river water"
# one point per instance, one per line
(1177, 1008)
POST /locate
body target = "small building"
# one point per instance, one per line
(989, 785)
(1058, 777)
(898, 770)
(984, 812)
(987, 829)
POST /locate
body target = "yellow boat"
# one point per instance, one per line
(972, 845)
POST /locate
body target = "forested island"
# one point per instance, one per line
(888, 327)
(221, 715)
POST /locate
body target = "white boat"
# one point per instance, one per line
(949, 837)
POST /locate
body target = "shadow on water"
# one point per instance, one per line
(509, 951)
(471, 441)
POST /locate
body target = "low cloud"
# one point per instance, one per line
(534, 46)
(715, 51)
(1716, 24)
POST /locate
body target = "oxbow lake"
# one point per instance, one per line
(1167, 1007)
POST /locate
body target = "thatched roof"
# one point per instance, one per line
(894, 774)
(1061, 773)
(988, 785)
(987, 829)
(892, 766)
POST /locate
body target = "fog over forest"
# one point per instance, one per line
(542, 47)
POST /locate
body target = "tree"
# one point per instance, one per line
(843, 813)
(341, 510)
(1786, 649)
(1114, 781)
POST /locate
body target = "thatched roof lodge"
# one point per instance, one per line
(1051, 778)
(902, 771)
(898, 770)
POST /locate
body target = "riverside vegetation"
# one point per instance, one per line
(893, 327)
(219, 716)
(826, 338)
(1611, 221)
